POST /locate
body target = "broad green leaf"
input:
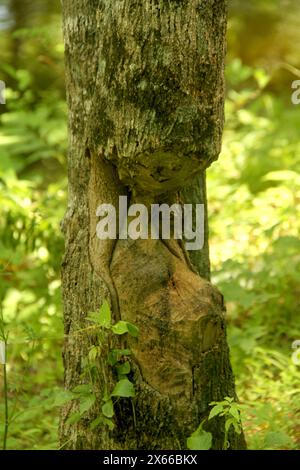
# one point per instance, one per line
(123, 369)
(120, 328)
(123, 388)
(105, 315)
(200, 440)
(216, 410)
(123, 327)
(108, 409)
(132, 330)
(86, 403)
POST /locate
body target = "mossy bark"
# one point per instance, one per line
(145, 96)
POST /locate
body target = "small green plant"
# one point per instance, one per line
(230, 410)
(117, 359)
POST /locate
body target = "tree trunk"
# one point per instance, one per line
(145, 95)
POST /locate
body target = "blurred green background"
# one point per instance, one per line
(254, 199)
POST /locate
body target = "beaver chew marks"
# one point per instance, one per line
(180, 316)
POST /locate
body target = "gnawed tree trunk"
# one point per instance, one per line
(145, 94)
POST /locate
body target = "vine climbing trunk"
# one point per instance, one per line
(145, 96)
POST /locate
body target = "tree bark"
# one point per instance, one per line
(145, 94)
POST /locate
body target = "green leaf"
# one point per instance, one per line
(112, 357)
(73, 418)
(83, 389)
(93, 353)
(108, 409)
(96, 422)
(123, 388)
(123, 369)
(216, 410)
(200, 440)
(109, 423)
(86, 403)
(232, 422)
(132, 330)
(234, 412)
(229, 422)
(229, 399)
(62, 397)
(105, 315)
(94, 317)
(120, 328)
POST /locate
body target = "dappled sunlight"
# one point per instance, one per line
(254, 207)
